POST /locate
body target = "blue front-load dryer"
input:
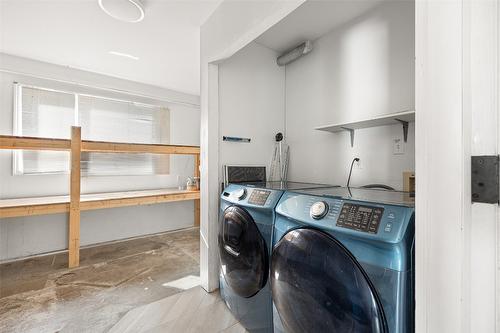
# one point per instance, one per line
(245, 235)
(342, 261)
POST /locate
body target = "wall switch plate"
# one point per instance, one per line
(398, 146)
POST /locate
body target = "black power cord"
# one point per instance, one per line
(379, 186)
(356, 159)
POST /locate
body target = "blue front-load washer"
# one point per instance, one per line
(342, 261)
(245, 230)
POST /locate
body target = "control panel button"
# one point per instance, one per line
(318, 210)
(259, 197)
(360, 217)
(240, 194)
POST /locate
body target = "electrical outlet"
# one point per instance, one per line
(398, 146)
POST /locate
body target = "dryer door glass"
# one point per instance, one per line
(318, 286)
(243, 252)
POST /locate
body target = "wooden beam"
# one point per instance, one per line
(31, 143)
(197, 201)
(74, 204)
(60, 204)
(138, 201)
(32, 210)
(116, 147)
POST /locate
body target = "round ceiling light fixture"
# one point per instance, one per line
(131, 11)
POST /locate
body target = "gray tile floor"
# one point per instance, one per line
(42, 295)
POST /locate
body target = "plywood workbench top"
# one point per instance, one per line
(60, 204)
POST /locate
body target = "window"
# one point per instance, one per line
(50, 113)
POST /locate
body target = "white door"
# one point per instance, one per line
(481, 111)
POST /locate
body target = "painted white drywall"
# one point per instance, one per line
(251, 105)
(80, 34)
(26, 236)
(232, 26)
(362, 69)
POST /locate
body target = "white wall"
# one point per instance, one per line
(362, 69)
(79, 34)
(25, 236)
(251, 105)
(232, 26)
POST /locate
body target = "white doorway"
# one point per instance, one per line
(457, 116)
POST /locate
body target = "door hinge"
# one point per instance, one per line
(484, 179)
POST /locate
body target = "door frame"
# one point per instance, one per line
(443, 150)
(449, 82)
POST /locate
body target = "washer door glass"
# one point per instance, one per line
(243, 252)
(318, 286)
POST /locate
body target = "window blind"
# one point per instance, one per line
(118, 121)
(45, 113)
(49, 113)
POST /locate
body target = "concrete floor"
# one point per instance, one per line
(42, 295)
(191, 311)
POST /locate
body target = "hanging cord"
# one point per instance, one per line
(356, 159)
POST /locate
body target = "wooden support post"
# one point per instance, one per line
(74, 205)
(197, 201)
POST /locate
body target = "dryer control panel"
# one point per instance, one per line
(360, 217)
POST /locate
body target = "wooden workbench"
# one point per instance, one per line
(75, 202)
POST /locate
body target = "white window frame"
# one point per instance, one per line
(17, 158)
(17, 155)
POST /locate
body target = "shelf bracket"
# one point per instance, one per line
(351, 132)
(405, 128)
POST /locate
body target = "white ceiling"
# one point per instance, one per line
(312, 20)
(79, 34)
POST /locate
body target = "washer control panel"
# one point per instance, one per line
(259, 197)
(360, 217)
(344, 217)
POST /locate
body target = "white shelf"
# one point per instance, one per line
(402, 118)
(389, 119)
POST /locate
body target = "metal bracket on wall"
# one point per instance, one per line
(351, 132)
(484, 179)
(405, 128)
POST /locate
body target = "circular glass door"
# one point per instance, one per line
(243, 252)
(318, 286)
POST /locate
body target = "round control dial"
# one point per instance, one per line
(318, 210)
(240, 194)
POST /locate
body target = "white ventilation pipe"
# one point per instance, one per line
(294, 54)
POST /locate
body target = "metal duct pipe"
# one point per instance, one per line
(294, 54)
